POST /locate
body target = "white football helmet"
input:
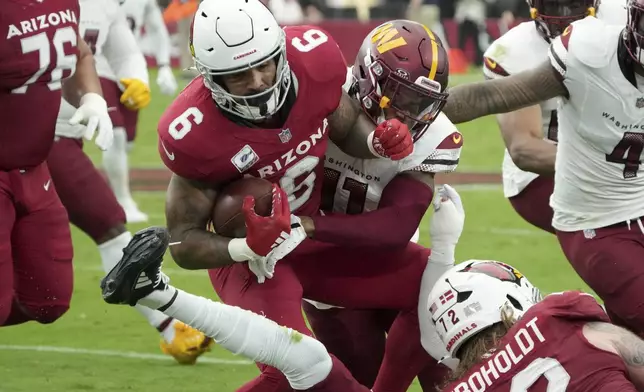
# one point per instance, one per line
(471, 296)
(232, 36)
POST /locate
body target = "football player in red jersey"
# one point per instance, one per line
(266, 103)
(506, 338)
(42, 58)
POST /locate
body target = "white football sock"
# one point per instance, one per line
(115, 163)
(303, 360)
(111, 252)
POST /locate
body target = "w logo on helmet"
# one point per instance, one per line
(385, 36)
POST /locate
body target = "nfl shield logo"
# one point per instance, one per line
(639, 103)
(589, 234)
(285, 135)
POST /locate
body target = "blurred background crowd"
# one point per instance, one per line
(466, 27)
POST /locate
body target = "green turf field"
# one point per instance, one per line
(96, 347)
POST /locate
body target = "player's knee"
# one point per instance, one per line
(312, 366)
(50, 307)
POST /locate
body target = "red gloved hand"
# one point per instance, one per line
(392, 140)
(263, 233)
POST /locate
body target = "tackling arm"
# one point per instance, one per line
(189, 205)
(350, 128)
(470, 101)
(404, 202)
(85, 79)
(619, 341)
(523, 137)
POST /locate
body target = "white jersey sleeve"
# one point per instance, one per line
(438, 150)
(122, 53)
(520, 49)
(155, 27)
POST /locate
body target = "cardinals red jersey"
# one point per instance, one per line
(546, 351)
(38, 51)
(198, 142)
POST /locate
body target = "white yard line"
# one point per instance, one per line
(116, 353)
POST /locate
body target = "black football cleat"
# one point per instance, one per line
(138, 273)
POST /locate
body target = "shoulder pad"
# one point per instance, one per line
(312, 50)
(589, 41)
(519, 49)
(613, 12)
(573, 305)
(438, 150)
(183, 143)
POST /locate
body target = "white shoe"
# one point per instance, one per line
(135, 216)
(132, 212)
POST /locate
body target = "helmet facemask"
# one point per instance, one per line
(553, 16)
(255, 107)
(634, 32)
(418, 102)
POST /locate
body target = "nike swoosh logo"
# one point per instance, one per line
(170, 156)
(490, 62)
(47, 184)
(456, 139)
(566, 31)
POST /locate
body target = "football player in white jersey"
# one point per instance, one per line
(115, 159)
(597, 201)
(90, 203)
(304, 361)
(530, 134)
(147, 14)
(364, 199)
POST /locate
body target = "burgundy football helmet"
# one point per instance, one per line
(634, 32)
(553, 16)
(402, 66)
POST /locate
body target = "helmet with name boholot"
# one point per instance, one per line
(474, 295)
(403, 66)
(553, 16)
(634, 31)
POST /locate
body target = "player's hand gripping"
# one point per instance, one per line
(268, 239)
(136, 94)
(391, 139)
(449, 218)
(92, 113)
(263, 233)
(298, 234)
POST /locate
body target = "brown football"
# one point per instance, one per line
(227, 216)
